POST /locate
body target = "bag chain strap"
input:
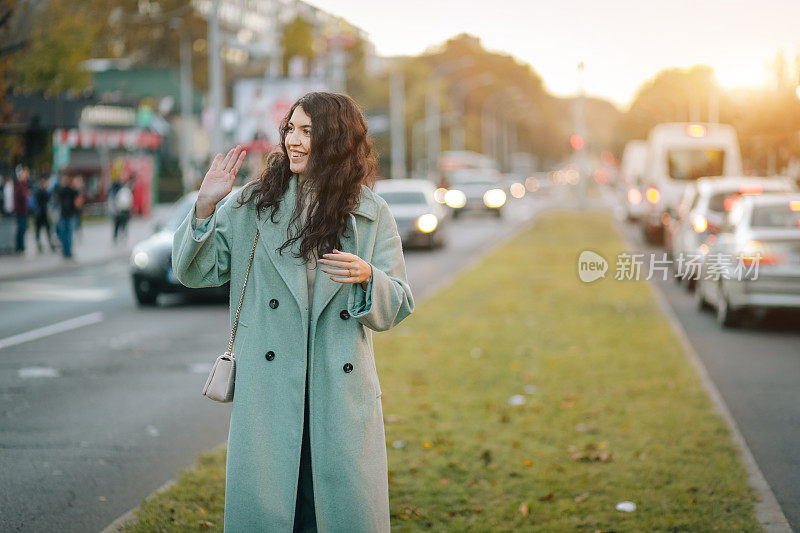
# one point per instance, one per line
(229, 351)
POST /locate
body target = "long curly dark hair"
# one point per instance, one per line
(341, 159)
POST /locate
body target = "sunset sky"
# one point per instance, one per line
(622, 42)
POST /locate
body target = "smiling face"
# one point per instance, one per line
(298, 140)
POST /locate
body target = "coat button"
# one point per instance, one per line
(273, 303)
(270, 355)
(344, 315)
(348, 367)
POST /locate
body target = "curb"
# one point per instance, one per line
(64, 267)
(768, 511)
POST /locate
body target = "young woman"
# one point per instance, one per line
(306, 447)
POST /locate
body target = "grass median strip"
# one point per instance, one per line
(520, 398)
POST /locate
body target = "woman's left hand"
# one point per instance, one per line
(349, 268)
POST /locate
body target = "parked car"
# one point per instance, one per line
(476, 190)
(702, 209)
(763, 233)
(151, 259)
(421, 220)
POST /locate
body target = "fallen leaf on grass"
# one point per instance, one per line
(523, 509)
(590, 454)
(527, 462)
(547, 497)
(205, 523)
(444, 481)
(427, 444)
(581, 497)
(486, 455)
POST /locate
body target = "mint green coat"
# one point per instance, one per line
(273, 342)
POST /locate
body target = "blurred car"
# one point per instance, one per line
(151, 259)
(476, 190)
(703, 207)
(762, 233)
(421, 220)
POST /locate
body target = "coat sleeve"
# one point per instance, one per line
(387, 299)
(201, 256)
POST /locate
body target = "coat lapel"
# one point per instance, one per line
(273, 235)
(292, 269)
(324, 287)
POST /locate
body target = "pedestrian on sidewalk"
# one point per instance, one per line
(121, 203)
(41, 201)
(21, 208)
(69, 200)
(306, 447)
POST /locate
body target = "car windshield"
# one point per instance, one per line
(720, 203)
(694, 163)
(403, 197)
(179, 212)
(777, 216)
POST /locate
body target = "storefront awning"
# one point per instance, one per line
(95, 138)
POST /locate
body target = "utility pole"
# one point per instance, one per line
(215, 81)
(580, 130)
(187, 170)
(398, 125)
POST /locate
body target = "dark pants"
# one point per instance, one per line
(43, 222)
(66, 226)
(121, 223)
(305, 518)
(22, 228)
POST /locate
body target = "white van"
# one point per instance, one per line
(679, 153)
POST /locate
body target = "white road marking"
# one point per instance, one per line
(23, 291)
(52, 329)
(38, 372)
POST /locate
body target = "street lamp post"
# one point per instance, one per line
(215, 77)
(432, 113)
(457, 131)
(187, 170)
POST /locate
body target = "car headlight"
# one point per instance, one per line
(140, 259)
(455, 198)
(494, 198)
(427, 223)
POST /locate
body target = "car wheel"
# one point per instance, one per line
(726, 317)
(145, 293)
(700, 301)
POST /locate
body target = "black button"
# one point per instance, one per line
(348, 367)
(344, 315)
(273, 303)
(270, 355)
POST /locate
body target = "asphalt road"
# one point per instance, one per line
(756, 369)
(100, 400)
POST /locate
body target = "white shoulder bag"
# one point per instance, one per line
(220, 383)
